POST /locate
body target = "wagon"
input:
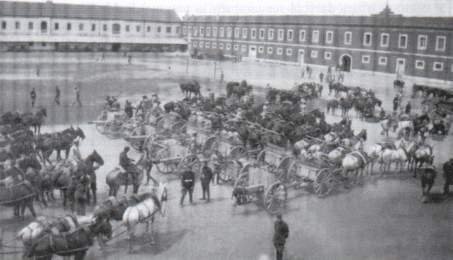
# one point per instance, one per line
(170, 124)
(112, 124)
(258, 184)
(138, 136)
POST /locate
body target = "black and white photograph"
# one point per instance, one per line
(226, 130)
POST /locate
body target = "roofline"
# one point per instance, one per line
(98, 19)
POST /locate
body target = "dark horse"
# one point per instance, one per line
(428, 176)
(189, 88)
(59, 141)
(88, 167)
(75, 243)
(35, 119)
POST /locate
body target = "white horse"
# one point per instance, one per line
(144, 211)
(422, 154)
(336, 155)
(397, 156)
(356, 162)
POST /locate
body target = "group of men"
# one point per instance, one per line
(77, 101)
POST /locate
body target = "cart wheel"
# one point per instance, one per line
(242, 181)
(323, 183)
(165, 167)
(275, 197)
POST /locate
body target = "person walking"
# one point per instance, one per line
(321, 77)
(395, 103)
(408, 108)
(57, 95)
(281, 233)
(33, 97)
(206, 177)
(187, 185)
(128, 165)
(128, 109)
(77, 96)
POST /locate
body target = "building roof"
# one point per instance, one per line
(95, 12)
(386, 18)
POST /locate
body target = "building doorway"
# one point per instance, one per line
(346, 63)
(252, 51)
(43, 26)
(301, 57)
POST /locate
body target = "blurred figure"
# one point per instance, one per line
(206, 177)
(187, 185)
(33, 97)
(57, 95)
(281, 233)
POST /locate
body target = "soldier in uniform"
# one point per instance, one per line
(128, 166)
(448, 175)
(187, 185)
(33, 97)
(206, 177)
(281, 233)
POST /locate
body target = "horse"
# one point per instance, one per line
(35, 119)
(145, 211)
(75, 243)
(345, 105)
(332, 105)
(356, 162)
(428, 176)
(422, 155)
(238, 89)
(189, 88)
(399, 156)
(387, 124)
(118, 177)
(87, 166)
(356, 142)
(66, 139)
(19, 195)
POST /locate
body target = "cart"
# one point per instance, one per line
(172, 157)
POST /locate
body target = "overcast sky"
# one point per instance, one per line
(332, 7)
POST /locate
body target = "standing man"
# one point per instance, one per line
(321, 77)
(128, 109)
(448, 176)
(57, 95)
(187, 184)
(281, 233)
(408, 108)
(395, 103)
(206, 177)
(33, 97)
(77, 95)
(128, 166)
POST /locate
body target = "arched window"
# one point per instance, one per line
(116, 28)
(43, 26)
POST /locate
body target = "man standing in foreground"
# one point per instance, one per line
(281, 233)
(206, 177)
(187, 183)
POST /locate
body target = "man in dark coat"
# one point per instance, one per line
(408, 108)
(281, 233)
(33, 97)
(57, 95)
(395, 103)
(187, 184)
(128, 165)
(448, 175)
(206, 177)
(128, 109)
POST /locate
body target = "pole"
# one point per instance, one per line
(215, 68)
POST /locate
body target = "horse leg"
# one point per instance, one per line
(30, 206)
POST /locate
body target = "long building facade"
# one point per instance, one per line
(67, 27)
(385, 42)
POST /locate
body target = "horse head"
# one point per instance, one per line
(79, 132)
(96, 157)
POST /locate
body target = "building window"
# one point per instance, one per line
(208, 31)
(80, 26)
(289, 52)
(402, 41)
(420, 64)
(441, 43)
(385, 39)
(221, 32)
(137, 28)
(68, 26)
(270, 34)
(366, 59)
(43, 26)
(289, 35)
(327, 55)
(104, 27)
(229, 32)
(221, 46)
(30, 26)
(347, 38)
(93, 27)
(236, 47)
(281, 34)
(214, 45)
(261, 49)
(244, 33)
(329, 37)
(56, 26)
(315, 36)
(43, 44)
(262, 34)
(148, 29)
(116, 28)
(201, 44)
(228, 46)
(270, 50)
(214, 31)
(367, 39)
(244, 48)
(253, 33)
(383, 61)
(279, 51)
(302, 35)
(159, 29)
(201, 31)
(237, 32)
(4, 25)
(207, 45)
(422, 43)
(17, 25)
(314, 54)
(438, 66)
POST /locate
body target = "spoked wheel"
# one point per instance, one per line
(275, 198)
(324, 183)
(166, 167)
(192, 162)
(242, 181)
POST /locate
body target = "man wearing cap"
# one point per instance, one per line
(206, 177)
(281, 233)
(128, 165)
(187, 184)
